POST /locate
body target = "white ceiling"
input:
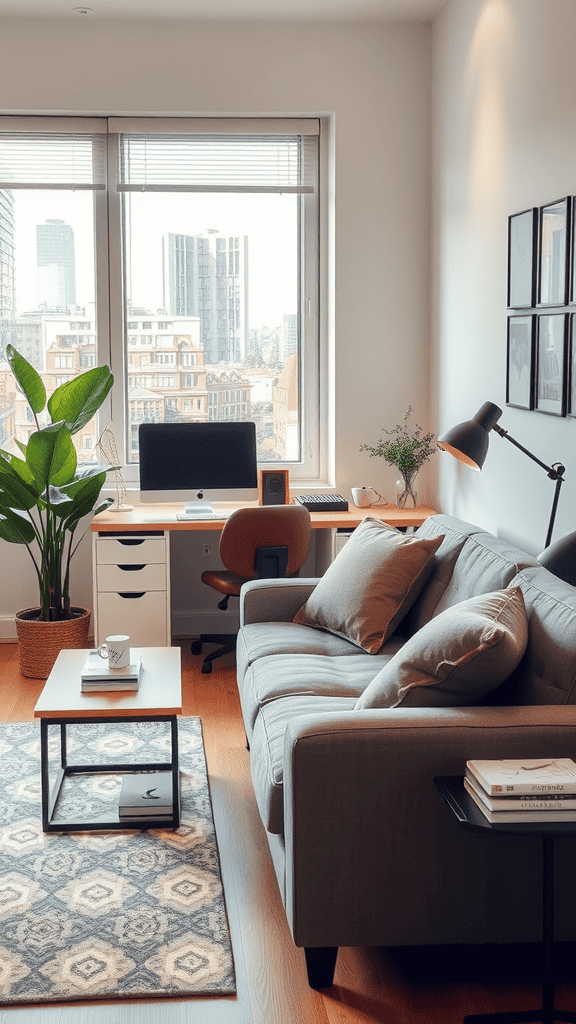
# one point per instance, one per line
(342, 10)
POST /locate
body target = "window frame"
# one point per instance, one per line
(313, 467)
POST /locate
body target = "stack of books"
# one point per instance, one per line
(147, 794)
(528, 789)
(97, 677)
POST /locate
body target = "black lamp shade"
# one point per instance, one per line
(468, 441)
(560, 558)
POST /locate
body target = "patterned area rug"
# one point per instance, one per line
(117, 914)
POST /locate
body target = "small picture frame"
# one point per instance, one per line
(522, 258)
(553, 247)
(520, 362)
(550, 396)
(571, 389)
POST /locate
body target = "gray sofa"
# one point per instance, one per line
(365, 851)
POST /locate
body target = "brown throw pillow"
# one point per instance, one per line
(457, 658)
(371, 584)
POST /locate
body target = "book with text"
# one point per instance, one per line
(522, 802)
(95, 669)
(504, 817)
(525, 775)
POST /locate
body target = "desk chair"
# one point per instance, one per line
(256, 543)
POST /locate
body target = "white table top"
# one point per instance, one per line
(160, 691)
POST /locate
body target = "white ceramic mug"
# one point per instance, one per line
(117, 650)
(364, 496)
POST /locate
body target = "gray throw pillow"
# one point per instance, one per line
(457, 658)
(371, 584)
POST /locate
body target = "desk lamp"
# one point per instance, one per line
(468, 442)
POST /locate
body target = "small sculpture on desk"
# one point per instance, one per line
(107, 445)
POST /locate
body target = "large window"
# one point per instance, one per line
(158, 246)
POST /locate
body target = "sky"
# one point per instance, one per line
(270, 221)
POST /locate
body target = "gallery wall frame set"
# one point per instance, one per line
(541, 332)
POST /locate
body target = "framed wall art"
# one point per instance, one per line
(522, 258)
(520, 362)
(571, 388)
(550, 391)
(553, 248)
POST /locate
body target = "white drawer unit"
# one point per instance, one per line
(131, 587)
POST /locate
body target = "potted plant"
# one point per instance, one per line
(43, 497)
(408, 449)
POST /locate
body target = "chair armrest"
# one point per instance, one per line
(373, 856)
(275, 600)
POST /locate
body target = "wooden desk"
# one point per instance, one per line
(131, 561)
(163, 517)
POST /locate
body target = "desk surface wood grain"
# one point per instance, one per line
(163, 517)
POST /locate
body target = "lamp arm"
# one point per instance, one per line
(555, 472)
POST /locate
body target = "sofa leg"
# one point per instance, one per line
(320, 964)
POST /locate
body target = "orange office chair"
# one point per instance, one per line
(256, 543)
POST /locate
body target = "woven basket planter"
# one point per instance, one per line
(41, 642)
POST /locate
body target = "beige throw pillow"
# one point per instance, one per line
(457, 658)
(371, 584)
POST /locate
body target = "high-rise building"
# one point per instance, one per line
(7, 291)
(56, 265)
(206, 276)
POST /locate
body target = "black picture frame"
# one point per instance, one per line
(572, 254)
(520, 361)
(522, 259)
(553, 249)
(551, 351)
(571, 386)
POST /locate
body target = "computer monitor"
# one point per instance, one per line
(197, 463)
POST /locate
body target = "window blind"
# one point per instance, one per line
(218, 163)
(49, 160)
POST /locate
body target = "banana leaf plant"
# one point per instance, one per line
(44, 495)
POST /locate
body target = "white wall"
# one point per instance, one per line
(373, 80)
(504, 99)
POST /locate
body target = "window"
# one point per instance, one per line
(215, 224)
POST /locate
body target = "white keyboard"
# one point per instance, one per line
(192, 517)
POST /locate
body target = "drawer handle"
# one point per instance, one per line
(131, 540)
(131, 596)
(132, 568)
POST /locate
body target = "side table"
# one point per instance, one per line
(470, 816)
(61, 703)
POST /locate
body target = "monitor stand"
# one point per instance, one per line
(194, 507)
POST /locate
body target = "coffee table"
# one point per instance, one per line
(158, 699)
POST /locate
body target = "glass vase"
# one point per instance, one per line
(406, 494)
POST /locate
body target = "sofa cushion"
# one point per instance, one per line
(370, 585)
(457, 658)
(267, 750)
(273, 678)
(547, 672)
(468, 562)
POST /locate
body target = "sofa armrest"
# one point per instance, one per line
(374, 857)
(275, 600)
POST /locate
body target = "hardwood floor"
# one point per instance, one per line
(412, 986)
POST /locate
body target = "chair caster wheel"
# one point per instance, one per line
(206, 668)
(196, 647)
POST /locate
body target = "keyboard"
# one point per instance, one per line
(322, 502)
(192, 517)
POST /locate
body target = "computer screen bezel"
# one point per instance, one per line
(200, 494)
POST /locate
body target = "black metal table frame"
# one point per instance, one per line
(50, 797)
(452, 789)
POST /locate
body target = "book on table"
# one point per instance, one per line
(146, 794)
(524, 776)
(522, 807)
(96, 675)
